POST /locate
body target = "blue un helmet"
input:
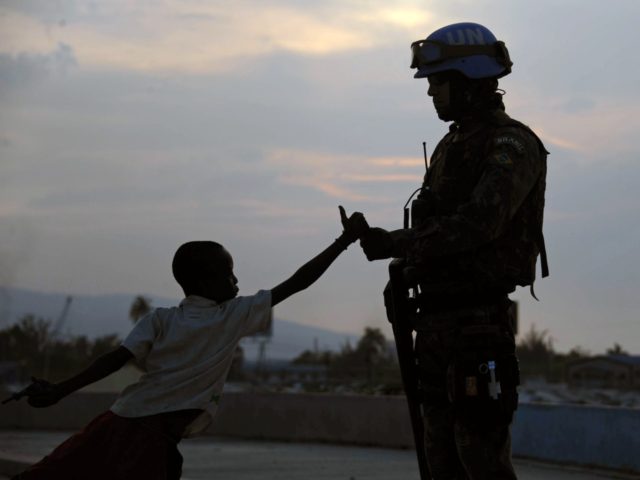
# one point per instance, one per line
(468, 48)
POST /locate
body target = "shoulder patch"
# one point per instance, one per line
(508, 140)
(501, 159)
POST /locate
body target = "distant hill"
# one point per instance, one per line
(105, 314)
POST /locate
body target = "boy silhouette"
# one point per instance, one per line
(185, 352)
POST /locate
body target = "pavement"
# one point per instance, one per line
(226, 458)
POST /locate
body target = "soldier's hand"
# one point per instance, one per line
(354, 226)
(377, 244)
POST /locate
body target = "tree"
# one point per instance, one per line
(616, 350)
(139, 308)
(309, 357)
(30, 336)
(536, 343)
(368, 366)
(535, 352)
(30, 342)
(104, 344)
(372, 344)
(578, 352)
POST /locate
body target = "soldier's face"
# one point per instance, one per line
(440, 92)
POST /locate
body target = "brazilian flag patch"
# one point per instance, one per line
(502, 159)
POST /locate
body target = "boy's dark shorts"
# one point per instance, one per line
(111, 447)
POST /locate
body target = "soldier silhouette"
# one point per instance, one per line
(475, 234)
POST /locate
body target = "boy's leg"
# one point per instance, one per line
(71, 457)
(110, 448)
(174, 464)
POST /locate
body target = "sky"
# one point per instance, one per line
(128, 128)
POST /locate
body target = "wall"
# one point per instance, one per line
(355, 419)
(594, 436)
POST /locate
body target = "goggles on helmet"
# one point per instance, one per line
(429, 52)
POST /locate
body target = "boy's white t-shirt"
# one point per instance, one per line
(186, 352)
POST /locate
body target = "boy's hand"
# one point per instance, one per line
(43, 394)
(354, 226)
(40, 394)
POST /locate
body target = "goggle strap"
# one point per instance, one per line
(497, 50)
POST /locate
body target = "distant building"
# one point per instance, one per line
(605, 371)
(284, 372)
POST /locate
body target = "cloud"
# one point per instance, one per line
(607, 128)
(396, 162)
(344, 177)
(17, 237)
(405, 17)
(207, 37)
(24, 68)
(329, 187)
(564, 143)
(20, 33)
(143, 145)
(578, 105)
(274, 209)
(380, 177)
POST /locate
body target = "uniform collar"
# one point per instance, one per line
(463, 131)
(470, 125)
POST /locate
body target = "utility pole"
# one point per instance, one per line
(55, 332)
(261, 366)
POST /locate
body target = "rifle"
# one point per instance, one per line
(397, 304)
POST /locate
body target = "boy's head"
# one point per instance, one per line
(205, 268)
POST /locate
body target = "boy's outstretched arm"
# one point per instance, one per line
(354, 227)
(43, 394)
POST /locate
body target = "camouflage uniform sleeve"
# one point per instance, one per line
(513, 165)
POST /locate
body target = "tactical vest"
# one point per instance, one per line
(510, 259)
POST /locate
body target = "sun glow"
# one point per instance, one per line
(191, 37)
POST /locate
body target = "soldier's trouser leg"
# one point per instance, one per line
(457, 447)
(440, 441)
(457, 451)
(485, 454)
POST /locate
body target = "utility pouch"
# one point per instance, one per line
(482, 387)
(424, 206)
(421, 209)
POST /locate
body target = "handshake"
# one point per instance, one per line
(376, 243)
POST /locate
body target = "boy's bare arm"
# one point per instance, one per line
(101, 367)
(43, 394)
(311, 271)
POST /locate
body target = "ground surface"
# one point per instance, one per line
(224, 458)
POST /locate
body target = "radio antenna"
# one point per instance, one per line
(424, 149)
(406, 212)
